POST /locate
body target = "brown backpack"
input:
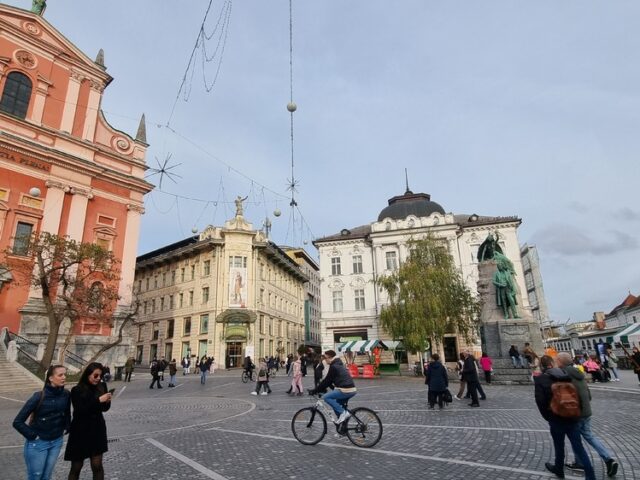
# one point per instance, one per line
(565, 401)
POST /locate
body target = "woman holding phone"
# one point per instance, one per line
(42, 421)
(88, 433)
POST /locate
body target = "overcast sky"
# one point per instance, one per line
(496, 108)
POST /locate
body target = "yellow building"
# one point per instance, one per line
(228, 292)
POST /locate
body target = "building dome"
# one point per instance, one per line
(418, 204)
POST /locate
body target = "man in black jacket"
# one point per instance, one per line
(340, 379)
(470, 375)
(559, 426)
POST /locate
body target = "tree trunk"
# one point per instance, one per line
(52, 340)
(115, 343)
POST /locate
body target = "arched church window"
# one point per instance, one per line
(16, 94)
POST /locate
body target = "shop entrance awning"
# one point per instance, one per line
(360, 346)
(627, 335)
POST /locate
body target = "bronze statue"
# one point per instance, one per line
(38, 6)
(239, 210)
(506, 288)
(488, 248)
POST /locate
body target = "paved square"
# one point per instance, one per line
(220, 431)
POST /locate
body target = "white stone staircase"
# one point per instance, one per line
(14, 377)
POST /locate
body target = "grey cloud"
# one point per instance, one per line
(567, 240)
(626, 213)
(578, 207)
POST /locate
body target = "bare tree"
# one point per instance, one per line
(76, 281)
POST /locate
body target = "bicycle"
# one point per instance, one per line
(363, 428)
(248, 375)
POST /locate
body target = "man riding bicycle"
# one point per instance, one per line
(248, 366)
(340, 379)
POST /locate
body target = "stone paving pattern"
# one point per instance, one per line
(240, 436)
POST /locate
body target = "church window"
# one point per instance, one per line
(23, 238)
(335, 266)
(16, 95)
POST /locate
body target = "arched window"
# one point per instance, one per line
(16, 94)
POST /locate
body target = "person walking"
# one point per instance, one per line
(487, 366)
(212, 363)
(463, 383)
(437, 381)
(42, 421)
(584, 424)
(516, 359)
(88, 432)
(613, 364)
(155, 375)
(173, 369)
(185, 366)
(296, 380)
(128, 369)
(559, 426)
(263, 379)
(470, 375)
(162, 366)
(204, 369)
(635, 361)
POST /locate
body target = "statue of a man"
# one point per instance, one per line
(239, 210)
(506, 288)
(38, 6)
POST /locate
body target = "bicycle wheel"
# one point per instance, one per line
(309, 426)
(245, 377)
(253, 376)
(364, 427)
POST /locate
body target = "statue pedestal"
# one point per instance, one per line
(498, 333)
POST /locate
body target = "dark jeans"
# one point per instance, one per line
(156, 379)
(478, 389)
(127, 376)
(263, 384)
(570, 429)
(487, 376)
(473, 386)
(434, 397)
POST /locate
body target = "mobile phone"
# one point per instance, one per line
(111, 390)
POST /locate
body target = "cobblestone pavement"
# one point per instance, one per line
(220, 431)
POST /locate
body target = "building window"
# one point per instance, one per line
(262, 296)
(193, 272)
(145, 308)
(206, 268)
(190, 298)
(155, 281)
(205, 294)
(337, 301)
(153, 306)
(181, 300)
(164, 279)
(357, 264)
(16, 95)
(170, 302)
(392, 260)
(139, 286)
(22, 239)
(173, 277)
(335, 266)
(204, 323)
(187, 326)
(182, 274)
(170, 324)
(261, 323)
(140, 333)
(147, 282)
(161, 304)
(238, 261)
(359, 297)
(156, 330)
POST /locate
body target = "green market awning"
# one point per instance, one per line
(626, 334)
(360, 346)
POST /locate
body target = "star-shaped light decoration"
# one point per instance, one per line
(163, 170)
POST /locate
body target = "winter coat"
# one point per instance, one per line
(486, 363)
(337, 376)
(578, 380)
(513, 352)
(436, 377)
(172, 368)
(51, 418)
(613, 360)
(542, 385)
(88, 432)
(297, 369)
(469, 370)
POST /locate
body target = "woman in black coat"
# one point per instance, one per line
(437, 380)
(88, 433)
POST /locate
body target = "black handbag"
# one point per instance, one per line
(447, 397)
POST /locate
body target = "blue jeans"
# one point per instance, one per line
(41, 457)
(517, 361)
(172, 379)
(585, 430)
(558, 431)
(203, 376)
(332, 398)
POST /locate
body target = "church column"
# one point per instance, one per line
(53, 206)
(93, 104)
(129, 252)
(78, 213)
(71, 101)
(42, 90)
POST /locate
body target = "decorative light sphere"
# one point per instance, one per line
(277, 212)
(306, 242)
(194, 230)
(292, 107)
(34, 192)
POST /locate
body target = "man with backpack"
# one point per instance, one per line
(155, 373)
(584, 424)
(559, 404)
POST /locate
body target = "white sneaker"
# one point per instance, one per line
(254, 393)
(264, 393)
(343, 416)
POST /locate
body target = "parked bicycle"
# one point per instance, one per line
(363, 428)
(248, 375)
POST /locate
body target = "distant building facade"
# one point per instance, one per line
(63, 168)
(352, 261)
(534, 286)
(312, 300)
(228, 292)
